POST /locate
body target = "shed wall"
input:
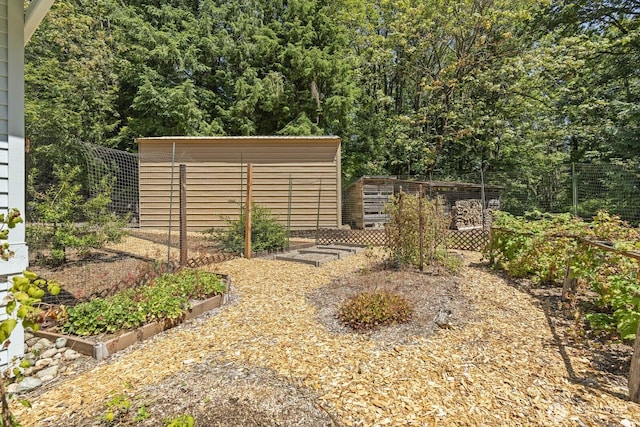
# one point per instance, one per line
(216, 180)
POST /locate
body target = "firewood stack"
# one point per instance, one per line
(467, 214)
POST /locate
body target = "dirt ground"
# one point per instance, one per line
(276, 355)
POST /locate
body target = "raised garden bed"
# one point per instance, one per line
(103, 348)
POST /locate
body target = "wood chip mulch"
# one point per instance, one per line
(501, 367)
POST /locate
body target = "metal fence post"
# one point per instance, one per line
(575, 188)
(420, 228)
(173, 163)
(289, 213)
(318, 213)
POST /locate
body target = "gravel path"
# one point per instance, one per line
(503, 367)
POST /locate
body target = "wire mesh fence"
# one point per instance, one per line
(309, 203)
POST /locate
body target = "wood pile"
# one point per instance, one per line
(467, 214)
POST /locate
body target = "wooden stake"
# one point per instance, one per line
(570, 285)
(634, 370)
(183, 215)
(247, 213)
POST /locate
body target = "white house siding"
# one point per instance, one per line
(12, 149)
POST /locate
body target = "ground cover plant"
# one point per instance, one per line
(369, 310)
(165, 297)
(549, 247)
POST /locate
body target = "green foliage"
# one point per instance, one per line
(64, 220)
(267, 234)
(403, 229)
(542, 248)
(21, 306)
(370, 310)
(8, 221)
(117, 409)
(181, 421)
(165, 297)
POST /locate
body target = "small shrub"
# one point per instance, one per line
(403, 229)
(267, 233)
(451, 262)
(62, 218)
(369, 310)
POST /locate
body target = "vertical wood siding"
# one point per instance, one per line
(214, 179)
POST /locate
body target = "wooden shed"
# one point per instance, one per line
(300, 175)
(365, 199)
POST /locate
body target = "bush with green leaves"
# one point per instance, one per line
(165, 297)
(8, 221)
(267, 234)
(21, 303)
(542, 246)
(403, 229)
(62, 218)
(370, 310)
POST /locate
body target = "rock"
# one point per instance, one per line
(627, 423)
(49, 353)
(28, 336)
(61, 342)
(71, 355)
(13, 388)
(31, 341)
(57, 356)
(29, 371)
(51, 371)
(443, 319)
(29, 383)
(43, 363)
(46, 344)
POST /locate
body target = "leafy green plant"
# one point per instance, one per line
(369, 310)
(21, 306)
(267, 233)
(181, 421)
(403, 229)
(117, 409)
(544, 247)
(165, 297)
(63, 219)
(8, 221)
(141, 414)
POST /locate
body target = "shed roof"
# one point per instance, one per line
(240, 139)
(432, 184)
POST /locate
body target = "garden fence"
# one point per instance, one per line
(312, 209)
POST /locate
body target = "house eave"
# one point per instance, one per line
(38, 9)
